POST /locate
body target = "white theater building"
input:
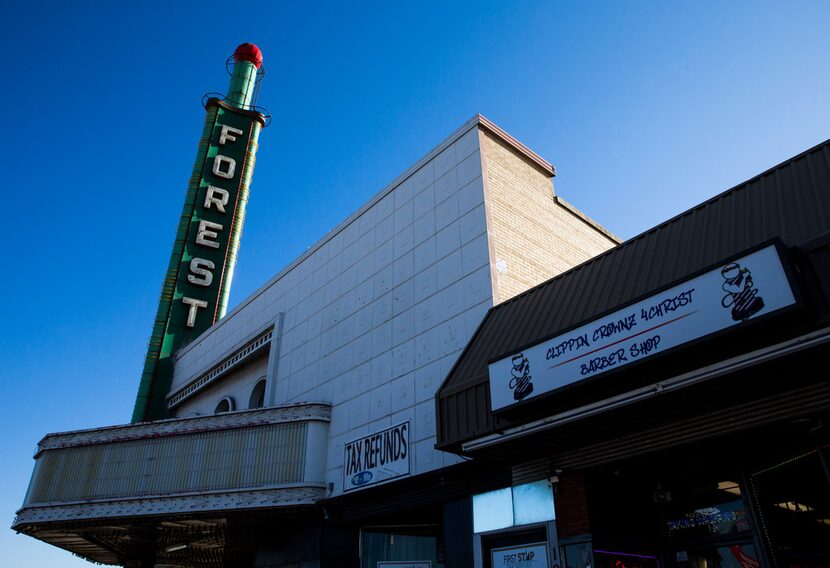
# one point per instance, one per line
(321, 384)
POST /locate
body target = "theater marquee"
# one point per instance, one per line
(733, 293)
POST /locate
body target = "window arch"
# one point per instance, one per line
(225, 404)
(258, 395)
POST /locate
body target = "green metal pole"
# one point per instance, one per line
(243, 81)
(240, 95)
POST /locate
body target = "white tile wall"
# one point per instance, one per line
(375, 317)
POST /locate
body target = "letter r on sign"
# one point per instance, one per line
(216, 196)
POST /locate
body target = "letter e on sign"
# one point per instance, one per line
(208, 231)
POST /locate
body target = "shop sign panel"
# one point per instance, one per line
(376, 458)
(730, 295)
(526, 556)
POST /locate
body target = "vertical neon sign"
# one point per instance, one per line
(197, 284)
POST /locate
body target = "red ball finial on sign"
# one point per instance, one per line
(248, 52)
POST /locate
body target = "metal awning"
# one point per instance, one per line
(789, 202)
(772, 385)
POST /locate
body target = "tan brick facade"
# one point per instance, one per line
(533, 236)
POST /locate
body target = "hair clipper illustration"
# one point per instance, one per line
(520, 377)
(741, 293)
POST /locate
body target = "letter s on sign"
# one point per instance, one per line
(202, 270)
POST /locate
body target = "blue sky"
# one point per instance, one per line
(645, 108)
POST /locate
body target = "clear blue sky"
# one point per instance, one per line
(645, 109)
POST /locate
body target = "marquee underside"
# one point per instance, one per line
(180, 541)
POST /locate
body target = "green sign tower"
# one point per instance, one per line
(195, 290)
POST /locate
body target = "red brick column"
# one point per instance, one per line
(571, 505)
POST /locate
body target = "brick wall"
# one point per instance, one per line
(571, 505)
(533, 237)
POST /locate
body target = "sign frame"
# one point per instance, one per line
(787, 265)
(542, 544)
(347, 486)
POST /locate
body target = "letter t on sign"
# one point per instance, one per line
(194, 305)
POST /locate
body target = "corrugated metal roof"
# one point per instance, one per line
(790, 201)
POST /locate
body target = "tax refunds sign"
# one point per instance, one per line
(731, 294)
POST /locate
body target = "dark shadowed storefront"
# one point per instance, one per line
(673, 391)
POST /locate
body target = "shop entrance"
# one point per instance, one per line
(415, 546)
(670, 513)
(793, 502)
(742, 503)
(515, 527)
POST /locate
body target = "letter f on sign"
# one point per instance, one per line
(227, 134)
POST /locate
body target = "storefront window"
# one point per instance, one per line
(577, 555)
(397, 546)
(708, 526)
(722, 514)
